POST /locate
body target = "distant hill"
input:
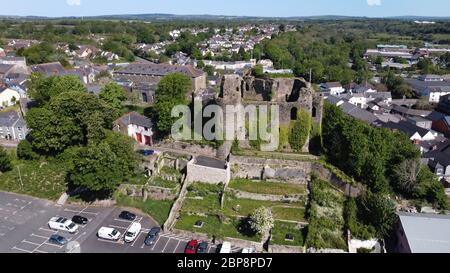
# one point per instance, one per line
(206, 17)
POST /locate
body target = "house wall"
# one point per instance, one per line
(402, 245)
(441, 127)
(133, 130)
(203, 174)
(7, 95)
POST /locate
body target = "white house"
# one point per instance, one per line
(8, 97)
(436, 92)
(136, 126)
(335, 88)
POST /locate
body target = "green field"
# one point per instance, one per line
(40, 179)
(158, 209)
(214, 227)
(289, 214)
(264, 187)
(245, 207)
(282, 228)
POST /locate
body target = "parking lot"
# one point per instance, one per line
(24, 229)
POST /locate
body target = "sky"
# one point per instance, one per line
(268, 8)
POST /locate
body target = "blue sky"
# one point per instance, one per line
(282, 8)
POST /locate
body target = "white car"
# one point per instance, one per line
(248, 250)
(226, 247)
(108, 234)
(64, 224)
(132, 232)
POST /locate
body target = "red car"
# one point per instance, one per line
(191, 247)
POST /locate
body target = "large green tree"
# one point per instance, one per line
(42, 89)
(172, 90)
(113, 94)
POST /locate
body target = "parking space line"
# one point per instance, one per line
(166, 245)
(40, 251)
(135, 240)
(122, 220)
(112, 242)
(157, 240)
(23, 250)
(114, 226)
(31, 243)
(49, 230)
(39, 236)
(177, 246)
(50, 244)
(78, 212)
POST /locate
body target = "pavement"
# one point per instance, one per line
(24, 229)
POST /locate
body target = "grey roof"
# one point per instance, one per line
(435, 116)
(50, 69)
(152, 69)
(406, 127)
(334, 99)
(440, 89)
(332, 84)
(4, 68)
(11, 119)
(358, 113)
(419, 86)
(210, 162)
(136, 119)
(426, 233)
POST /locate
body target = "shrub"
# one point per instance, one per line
(300, 131)
(25, 151)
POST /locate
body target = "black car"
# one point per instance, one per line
(77, 219)
(152, 236)
(202, 247)
(127, 216)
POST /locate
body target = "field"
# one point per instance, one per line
(264, 187)
(159, 210)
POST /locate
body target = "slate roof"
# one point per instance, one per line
(406, 127)
(210, 162)
(11, 119)
(152, 69)
(426, 233)
(4, 68)
(49, 69)
(136, 119)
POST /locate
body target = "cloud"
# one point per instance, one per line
(73, 2)
(373, 3)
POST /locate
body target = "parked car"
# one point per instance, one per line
(202, 247)
(226, 247)
(132, 232)
(127, 216)
(57, 240)
(147, 152)
(64, 224)
(77, 219)
(108, 234)
(191, 247)
(248, 250)
(152, 236)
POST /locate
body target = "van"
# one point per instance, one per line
(63, 224)
(132, 232)
(226, 247)
(108, 234)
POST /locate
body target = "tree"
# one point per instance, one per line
(113, 94)
(172, 90)
(406, 174)
(430, 189)
(258, 71)
(25, 151)
(69, 119)
(379, 211)
(261, 220)
(5, 161)
(41, 89)
(300, 131)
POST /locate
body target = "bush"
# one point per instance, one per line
(5, 161)
(25, 151)
(300, 131)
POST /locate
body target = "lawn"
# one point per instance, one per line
(209, 204)
(264, 187)
(40, 179)
(245, 207)
(160, 182)
(282, 228)
(289, 214)
(214, 227)
(158, 209)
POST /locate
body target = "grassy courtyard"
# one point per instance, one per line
(280, 231)
(158, 209)
(264, 187)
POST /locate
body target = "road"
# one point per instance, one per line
(24, 229)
